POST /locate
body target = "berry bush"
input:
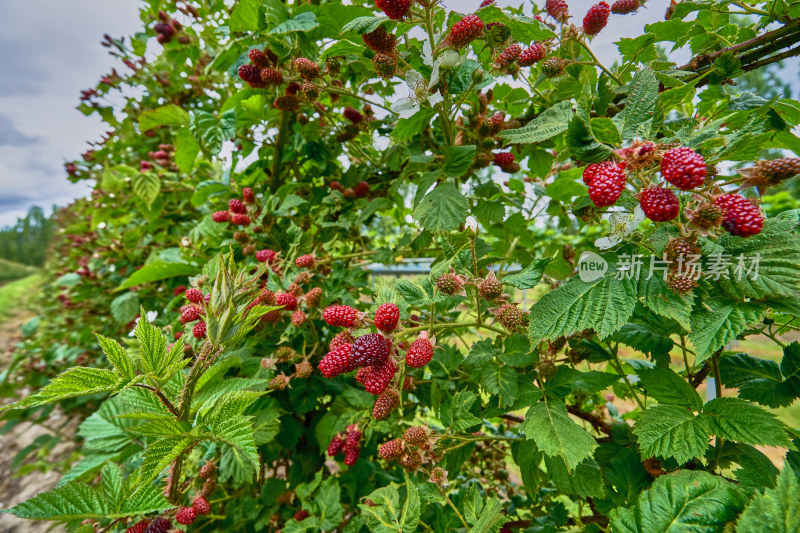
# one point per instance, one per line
(214, 317)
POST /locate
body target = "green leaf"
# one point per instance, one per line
(581, 141)
(244, 16)
(585, 481)
(550, 123)
(604, 305)
(386, 516)
(644, 338)
(741, 421)
(212, 131)
(305, 21)
(491, 518)
(168, 115)
(671, 431)
(556, 434)
(125, 307)
(442, 209)
(458, 159)
(159, 454)
(605, 131)
(528, 277)
(152, 346)
(776, 510)
(411, 508)
(186, 150)
(564, 189)
(669, 388)
(501, 380)
(117, 356)
(687, 501)
(147, 185)
(411, 293)
(637, 116)
(459, 414)
(662, 301)
(714, 327)
(362, 25)
(407, 128)
(567, 380)
(76, 381)
(156, 271)
(758, 380)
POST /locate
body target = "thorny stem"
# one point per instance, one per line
(161, 396)
(410, 331)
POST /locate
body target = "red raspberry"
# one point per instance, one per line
(557, 9)
(419, 353)
(362, 189)
(390, 450)
(240, 220)
(305, 261)
(207, 470)
(449, 284)
(201, 505)
(491, 288)
(659, 204)
(385, 403)
(503, 159)
(380, 41)
(138, 527)
(681, 249)
(251, 74)
(509, 55)
(742, 218)
(351, 455)
(385, 65)
(259, 58)
(596, 18)
(341, 338)
(353, 115)
(337, 361)
(623, 7)
(271, 77)
(248, 195)
(199, 330)
(591, 171)
(301, 515)
(221, 216)
(194, 295)
(307, 68)
(533, 54)
(335, 446)
(509, 316)
(340, 315)
(185, 515)
(416, 436)
(352, 438)
(607, 185)
(293, 88)
(466, 30)
(336, 186)
(683, 167)
(159, 525)
(371, 349)
(287, 300)
(379, 376)
(236, 206)
(313, 297)
(486, 3)
(410, 460)
(298, 318)
(386, 317)
(265, 256)
(190, 313)
(394, 9)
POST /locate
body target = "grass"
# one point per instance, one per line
(10, 270)
(18, 295)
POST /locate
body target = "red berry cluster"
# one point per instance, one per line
(606, 182)
(659, 204)
(531, 55)
(466, 30)
(166, 28)
(394, 9)
(596, 18)
(410, 450)
(262, 69)
(740, 216)
(361, 189)
(237, 213)
(505, 160)
(349, 444)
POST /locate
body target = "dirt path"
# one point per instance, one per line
(14, 490)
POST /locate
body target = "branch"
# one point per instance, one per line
(161, 397)
(597, 422)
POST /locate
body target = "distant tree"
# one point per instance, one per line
(26, 241)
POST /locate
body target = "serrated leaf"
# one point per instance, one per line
(407, 128)
(147, 185)
(76, 381)
(491, 518)
(528, 277)
(442, 209)
(411, 293)
(551, 122)
(662, 301)
(244, 16)
(669, 388)
(117, 356)
(152, 346)
(556, 434)
(458, 159)
(644, 338)
(671, 431)
(159, 454)
(776, 510)
(500, 380)
(156, 271)
(741, 421)
(168, 115)
(686, 501)
(585, 481)
(640, 107)
(604, 305)
(211, 131)
(459, 414)
(186, 150)
(125, 307)
(305, 21)
(411, 507)
(362, 25)
(712, 329)
(758, 380)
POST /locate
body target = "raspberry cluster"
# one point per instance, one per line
(237, 213)
(606, 182)
(531, 55)
(505, 160)
(740, 216)
(410, 450)
(349, 444)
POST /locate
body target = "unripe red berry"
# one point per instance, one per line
(305, 261)
(199, 330)
(340, 315)
(596, 18)
(240, 220)
(353, 115)
(386, 317)
(394, 9)
(533, 54)
(287, 300)
(385, 403)
(742, 218)
(337, 361)
(185, 515)
(265, 256)
(221, 216)
(335, 446)
(419, 353)
(201, 505)
(390, 450)
(194, 295)
(683, 168)
(659, 204)
(466, 30)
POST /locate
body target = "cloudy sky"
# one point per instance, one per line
(50, 50)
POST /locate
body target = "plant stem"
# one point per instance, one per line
(278, 154)
(618, 368)
(597, 61)
(452, 506)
